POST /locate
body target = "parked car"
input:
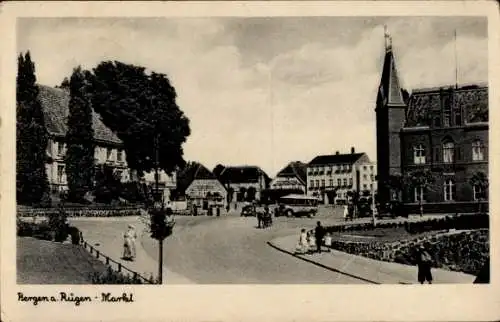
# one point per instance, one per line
(248, 210)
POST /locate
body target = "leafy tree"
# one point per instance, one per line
(218, 170)
(422, 179)
(480, 180)
(139, 108)
(32, 138)
(251, 192)
(79, 157)
(108, 186)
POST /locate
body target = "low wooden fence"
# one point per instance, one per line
(120, 268)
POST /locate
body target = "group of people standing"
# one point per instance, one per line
(312, 241)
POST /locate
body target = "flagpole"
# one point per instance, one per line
(456, 61)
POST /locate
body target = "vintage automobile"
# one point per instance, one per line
(248, 211)
(298, 205)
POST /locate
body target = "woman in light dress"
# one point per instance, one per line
(346, 212)
(129, 243)
(302, 246)
(312, 242)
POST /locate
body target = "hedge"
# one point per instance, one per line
(112, 277)
(460, 222)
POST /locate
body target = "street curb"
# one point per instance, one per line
(270, 243)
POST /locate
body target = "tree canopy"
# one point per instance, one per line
(139, 107)
(32, 137)
(79, 157)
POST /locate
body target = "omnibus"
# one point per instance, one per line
(298, 205)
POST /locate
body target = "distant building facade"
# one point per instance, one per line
(244, 181)
(331, 177)
(291, 177)
(201, 188)
(442, 130)
(109, 148)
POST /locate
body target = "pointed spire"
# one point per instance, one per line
(390, 93)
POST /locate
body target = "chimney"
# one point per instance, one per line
(337, 152)
(352, 150)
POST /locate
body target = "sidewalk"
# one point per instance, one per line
(367, 269)
(112, 247)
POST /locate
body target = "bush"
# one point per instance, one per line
(112, 277)
(75, 235)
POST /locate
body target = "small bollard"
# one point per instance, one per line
(97, 254)
(107, 260)
(119, 267)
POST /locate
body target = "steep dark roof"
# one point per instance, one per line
(194, 171)
(55, 107)
(390, 91)
(294, 169)
(242, 174)
(473, 101)
(336, 159)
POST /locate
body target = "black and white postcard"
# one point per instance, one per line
(249, 160)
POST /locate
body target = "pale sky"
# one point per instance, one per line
(267, 91)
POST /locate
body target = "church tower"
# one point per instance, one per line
(390, 117)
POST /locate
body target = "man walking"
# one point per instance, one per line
(319, 233)
(424, 263)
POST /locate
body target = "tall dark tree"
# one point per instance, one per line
(79, 157)
(32, 137)
(140, 107)
(422, 180)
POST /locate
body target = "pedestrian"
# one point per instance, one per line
(312, 242)
(259, 219)
(129, 243)
(424, 263)
(328, 242)
(319, 233)
(346, 212)
(303, 244)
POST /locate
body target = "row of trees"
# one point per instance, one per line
(136, 106)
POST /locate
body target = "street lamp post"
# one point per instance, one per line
(158, 199)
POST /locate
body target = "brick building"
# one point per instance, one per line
(442, 130)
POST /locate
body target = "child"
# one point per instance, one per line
(302, 245)
(328, 242)
(312, 242)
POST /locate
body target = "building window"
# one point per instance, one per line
(311, 184)
(437, 122)
(477, 151)
(371, 186)
(345, 182)
(449, 190)
(331, 182)
(339, 182)
(479, 193)
(446, 111)
(108, 154)
(372, 177)
(458, 117)
(317, 183)
(365, 177)
(60, 173)
(119, 174)
(60, 148)
(418, 194)
(365, 187)
(350, 181)
(119, 155)
(448, 152)
(323, 183)
(364, 167)
(419, 154)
